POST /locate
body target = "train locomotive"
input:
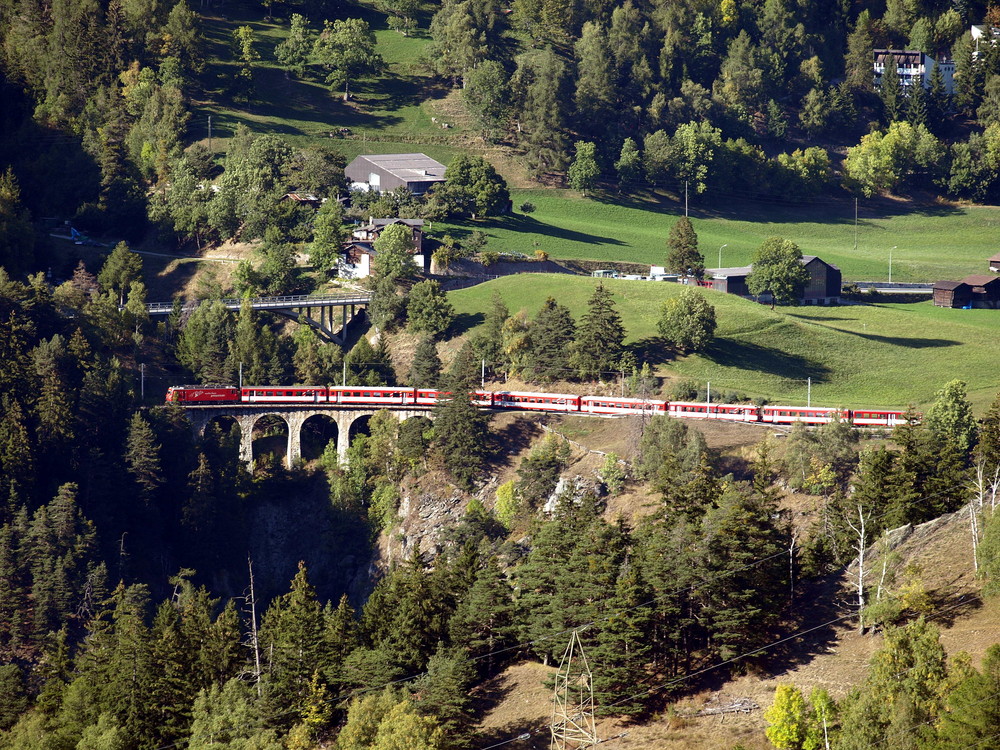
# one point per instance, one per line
(562, 403)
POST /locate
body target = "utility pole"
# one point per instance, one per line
(573, 725)
(890, 261)
(855, 225)
(708, 391)
(344, 382)
(685, 199)
(482, 377)
(241, 376)
(720, 253)
(210, 132)
(809, 392)
(142, 381)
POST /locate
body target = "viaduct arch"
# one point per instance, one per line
(294, 417)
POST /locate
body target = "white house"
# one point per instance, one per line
(913, 68)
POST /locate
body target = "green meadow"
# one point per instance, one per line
(880, 355)
(931, 243)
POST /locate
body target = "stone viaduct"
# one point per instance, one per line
(295, 417)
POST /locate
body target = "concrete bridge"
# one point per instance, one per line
(318, 311)
(294, 417)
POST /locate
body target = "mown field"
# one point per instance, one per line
(932, 242)
(885, 355)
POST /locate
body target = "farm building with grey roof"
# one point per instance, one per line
(386, 172)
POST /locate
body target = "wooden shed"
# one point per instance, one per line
(952, 294)
(995, 263)
(985, 290)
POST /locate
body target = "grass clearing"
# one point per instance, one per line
(402, 103)
(884, 355)
(932, 243)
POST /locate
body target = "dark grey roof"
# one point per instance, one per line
(807, 259)
(408, 166)
(978, 279)
(386, 222)
(902, 57)
(724, 273)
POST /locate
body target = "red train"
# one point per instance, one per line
(197, 395)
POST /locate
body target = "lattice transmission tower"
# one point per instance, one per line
(573, 701)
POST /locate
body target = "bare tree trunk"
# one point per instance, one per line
(251, 599)
(860, 547)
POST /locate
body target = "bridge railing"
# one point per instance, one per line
(263, 303)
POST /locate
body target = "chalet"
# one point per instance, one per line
(823, 287)
(356, 260)
(913, 68)
(358, 252)
(995, 263)
(386, 172)
(977, 290)
(370, 232)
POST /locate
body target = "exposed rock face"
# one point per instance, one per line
(576, 487)
(429, 508)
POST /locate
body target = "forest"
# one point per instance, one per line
(131, 612)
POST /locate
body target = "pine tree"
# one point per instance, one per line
(425, 372)
(485, 620)
(683, 256)
(552, 332)
(292, 637)
(623, 644)
(445, 696)
(120, 270)
(169, 693)
(972, 717)
(629, 164)
(143, 457)
(891, 91)
(489, 340)
(742, 604)
(230, 716)
(600, 337)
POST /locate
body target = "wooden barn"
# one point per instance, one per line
(823, 287)
(952, 294)
(978, 290)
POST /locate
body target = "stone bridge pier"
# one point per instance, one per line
(295, 418)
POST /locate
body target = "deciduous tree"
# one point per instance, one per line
(687, 321)
(778, 271)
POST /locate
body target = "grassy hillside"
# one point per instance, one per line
(858, 355)
(932, 243)
(396, 112)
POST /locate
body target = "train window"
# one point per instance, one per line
(269, 393)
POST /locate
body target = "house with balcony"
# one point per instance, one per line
(913, 68)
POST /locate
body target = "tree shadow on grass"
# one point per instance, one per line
(512, 439)
(653, 349)
(746, 356)
(529, 225)
(465, 322)
(909, 343)
(771, 209)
